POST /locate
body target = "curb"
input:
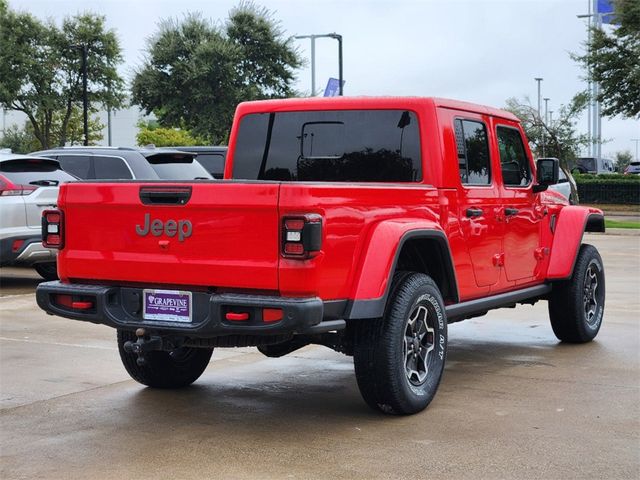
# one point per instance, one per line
(626, 232)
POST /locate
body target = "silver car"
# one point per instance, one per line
(632, 168)
(28, 185)
(566, 185)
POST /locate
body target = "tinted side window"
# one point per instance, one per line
(513, 159)
(213, 162)
(111, 168)
(473, 152)
(78, 165)
(329, 146)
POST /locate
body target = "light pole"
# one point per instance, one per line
(594, 118)
(313, 37)
(539, 80)
(339, 39)
(546, 110)
(636, 140)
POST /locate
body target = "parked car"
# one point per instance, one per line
(28, 185)
(566, 185)
(632, 168)
(347, 224)
(120, 163)
(593, 165)
(211, 158)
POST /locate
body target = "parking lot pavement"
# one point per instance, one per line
(513, 403)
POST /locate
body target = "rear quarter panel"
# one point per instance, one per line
(361, 230)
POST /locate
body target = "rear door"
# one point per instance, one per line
(479, 197)
(207, 234)
(522, 211)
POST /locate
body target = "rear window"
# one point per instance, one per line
(329, 146)
(24, 172)
(212, 162)
(177, 167)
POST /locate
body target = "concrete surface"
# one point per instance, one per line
(514, 403)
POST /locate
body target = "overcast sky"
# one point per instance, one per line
(481, 51)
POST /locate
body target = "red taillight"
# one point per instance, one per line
(301, 235)
(10, 189)
(52, 229)
(291, 248)
(294, 224)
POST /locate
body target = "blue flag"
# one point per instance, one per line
(606, 11)
(333, 88)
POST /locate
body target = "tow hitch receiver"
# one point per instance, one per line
(143, 345)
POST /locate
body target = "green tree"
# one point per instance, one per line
(19, 139)
(559, 137)
(23, 139)
(151, 133)
(622, 160)
(196, 72)
(613, 59)
(40, 70)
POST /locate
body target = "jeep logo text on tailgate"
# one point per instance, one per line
(182, 227)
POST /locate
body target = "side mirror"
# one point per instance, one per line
(548, 172)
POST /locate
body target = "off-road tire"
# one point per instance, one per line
(575, 307)
(382, 355)
(48, 271)
(175, 369)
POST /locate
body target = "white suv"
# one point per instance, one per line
(28, 185)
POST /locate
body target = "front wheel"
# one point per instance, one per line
(576, 306)
(174, 369)
(399, 359)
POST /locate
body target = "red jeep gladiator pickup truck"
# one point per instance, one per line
(362, 224)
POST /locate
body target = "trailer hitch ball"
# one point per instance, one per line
(143, 345)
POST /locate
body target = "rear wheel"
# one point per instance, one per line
(576, 306)
(399, 359)
(174, 369)
(48, 271)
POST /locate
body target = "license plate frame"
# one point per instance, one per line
(172, 306)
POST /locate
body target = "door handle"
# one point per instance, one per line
(509, 211)
(474, 212)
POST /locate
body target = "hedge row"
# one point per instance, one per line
(624, 193)
(606, 178)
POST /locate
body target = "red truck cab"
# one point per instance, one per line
(362, 224)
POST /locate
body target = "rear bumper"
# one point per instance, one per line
(121, 307)
(29, 252)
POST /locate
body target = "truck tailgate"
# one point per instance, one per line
(225, 234)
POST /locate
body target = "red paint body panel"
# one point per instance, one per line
(568, 237)
(351, 214)
(236, 241)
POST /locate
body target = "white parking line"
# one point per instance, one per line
(26, 340)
